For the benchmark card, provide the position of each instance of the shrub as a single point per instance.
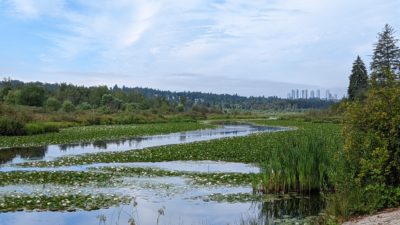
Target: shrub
(52, 104)
(68, 106)
(84, 106)
(10, 127)
(40, 128)
(32, 95)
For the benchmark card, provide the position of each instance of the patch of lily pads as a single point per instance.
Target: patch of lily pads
(61, 202)
(106, 176)
(74, 178)
(197, 178)
(249, 197)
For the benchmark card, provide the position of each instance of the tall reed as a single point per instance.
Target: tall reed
(301, 161)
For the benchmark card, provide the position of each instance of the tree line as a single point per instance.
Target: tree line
(68, 97)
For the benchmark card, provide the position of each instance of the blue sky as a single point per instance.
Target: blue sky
(223, 46)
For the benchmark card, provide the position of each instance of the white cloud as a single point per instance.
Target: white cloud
(298, 41)
(32, 9)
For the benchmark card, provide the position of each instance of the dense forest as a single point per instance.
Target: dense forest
(55, 96)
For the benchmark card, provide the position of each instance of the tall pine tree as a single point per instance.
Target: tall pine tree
(386, 56)
(358, 80)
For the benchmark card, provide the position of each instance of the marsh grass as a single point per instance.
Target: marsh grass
(100, 132)
(256, 148)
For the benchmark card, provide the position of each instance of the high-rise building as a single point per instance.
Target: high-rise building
(328, 95)
(312, 95)
(297, 93)
(293, 94)
(306, 93)
(318, 93)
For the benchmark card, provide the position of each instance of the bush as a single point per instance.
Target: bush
(32, 95)
(13, 97)
(40, 128)
(11, 127)
(371, 152)
(84, 106)
(52, 104)
(68, 106)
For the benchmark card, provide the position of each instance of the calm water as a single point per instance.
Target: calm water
(182, 202)
(175, 212)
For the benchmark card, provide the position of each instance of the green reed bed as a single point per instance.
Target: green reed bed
(303, 161)
(97, 133)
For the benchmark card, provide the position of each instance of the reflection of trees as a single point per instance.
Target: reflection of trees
(100, 144)
(65, 147)
(8, 154)
(295, 207)
(182, 138)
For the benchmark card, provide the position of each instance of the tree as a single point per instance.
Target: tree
(68, 106)
(112, 103)
(358, 80)
(372, 143)
(6, 87)
(52, 104)
(32, 95)
(386, 55)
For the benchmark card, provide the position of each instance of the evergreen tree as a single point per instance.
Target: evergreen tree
(386, 55)
(358, 80)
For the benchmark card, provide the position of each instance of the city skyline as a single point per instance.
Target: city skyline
(312, 94)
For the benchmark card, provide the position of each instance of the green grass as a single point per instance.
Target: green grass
(101, 132)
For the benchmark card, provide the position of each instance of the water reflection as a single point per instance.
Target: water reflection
(22, 154)
(50, 152)
(180, 211)
(296, 207)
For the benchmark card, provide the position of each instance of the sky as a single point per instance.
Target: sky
(245, 47)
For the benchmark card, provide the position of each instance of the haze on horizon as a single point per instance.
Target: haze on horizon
(222, 46)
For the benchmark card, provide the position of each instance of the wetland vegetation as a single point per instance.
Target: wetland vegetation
(98, 133)
(311, 167)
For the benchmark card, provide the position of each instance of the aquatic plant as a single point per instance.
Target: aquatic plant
(75, 178)
(100, 132)
(61, 202)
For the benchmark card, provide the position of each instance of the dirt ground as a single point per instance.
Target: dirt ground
(387, 217)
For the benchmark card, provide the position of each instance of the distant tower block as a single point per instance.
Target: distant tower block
(312, 95)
